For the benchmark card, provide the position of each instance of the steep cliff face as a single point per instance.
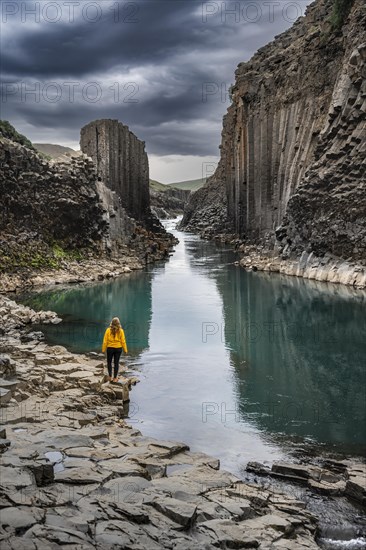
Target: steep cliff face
(121, 163)
(293, 140)
(54, 210)
(206, 209)
(328, 211)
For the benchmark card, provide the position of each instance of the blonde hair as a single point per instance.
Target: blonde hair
(115, 326)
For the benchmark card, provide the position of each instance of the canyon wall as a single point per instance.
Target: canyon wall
(168, 203)
(293, 142)
(60, 215)
(51, 211)
(121, 163)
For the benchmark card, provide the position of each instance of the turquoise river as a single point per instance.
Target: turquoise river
(243, 366)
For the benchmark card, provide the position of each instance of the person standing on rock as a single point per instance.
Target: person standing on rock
(113, 343)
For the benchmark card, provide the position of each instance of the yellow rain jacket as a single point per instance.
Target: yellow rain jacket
(118, 341)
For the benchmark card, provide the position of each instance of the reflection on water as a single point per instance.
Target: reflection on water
(87, 310)
(240, 365)
(299, 351)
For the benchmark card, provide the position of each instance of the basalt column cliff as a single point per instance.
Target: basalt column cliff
(121, 163)
(60, 220)
(292, 167)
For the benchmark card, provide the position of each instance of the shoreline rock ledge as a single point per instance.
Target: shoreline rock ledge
(75, 474)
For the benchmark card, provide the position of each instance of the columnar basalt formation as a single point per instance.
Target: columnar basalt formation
(293, 142)
(121, 163)
(61, 215)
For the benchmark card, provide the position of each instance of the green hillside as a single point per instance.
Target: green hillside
(157, 186)
(190, 185)
(8, 131)
(52, 150)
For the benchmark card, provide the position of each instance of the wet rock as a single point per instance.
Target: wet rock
(356, 484)
(292, 470)
(257, 468)
(325, 488)
(31, 336)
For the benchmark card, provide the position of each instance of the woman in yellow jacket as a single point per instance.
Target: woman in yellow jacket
(114, 341)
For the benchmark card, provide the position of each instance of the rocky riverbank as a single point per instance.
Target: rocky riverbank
(309, 266)
(75, 473)
(147, 250)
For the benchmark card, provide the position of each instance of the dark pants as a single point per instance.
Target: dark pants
(113, 354)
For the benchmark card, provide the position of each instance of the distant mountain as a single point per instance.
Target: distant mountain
(55, 151)
(189, 185)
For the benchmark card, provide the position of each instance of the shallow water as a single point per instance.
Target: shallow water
(244, 366)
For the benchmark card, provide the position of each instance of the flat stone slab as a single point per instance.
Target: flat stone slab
(82, 475)
(128, 489)
(122, 534)
(89, 452)
(16, 477)
(238, 507)
(64, 368)
(45, 359)
(64, 442)
(96, 432)
(227, 534)
(167, 448)
(76, 376)
(324, 488)
(22, 517)
(181, 512)
(123, 468)
(82, 418)
(291, 469)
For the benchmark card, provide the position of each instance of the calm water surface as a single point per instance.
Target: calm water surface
(243, 366)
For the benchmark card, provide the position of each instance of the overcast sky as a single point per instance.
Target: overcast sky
(161, 67)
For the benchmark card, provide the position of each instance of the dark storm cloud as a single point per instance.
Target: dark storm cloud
(162, 67)
(79, 48)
